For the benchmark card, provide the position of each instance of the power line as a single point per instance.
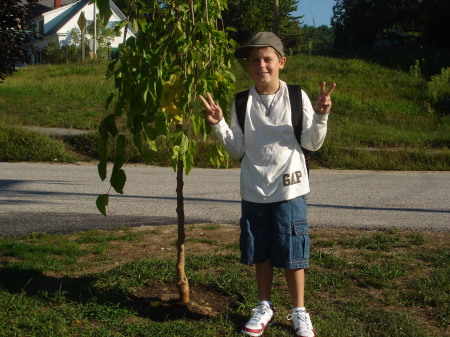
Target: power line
(312, 15)
(304, 15)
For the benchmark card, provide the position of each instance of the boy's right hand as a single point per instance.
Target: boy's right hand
(213, 112)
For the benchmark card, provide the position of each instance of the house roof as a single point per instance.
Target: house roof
(66, 16)
(44, 6)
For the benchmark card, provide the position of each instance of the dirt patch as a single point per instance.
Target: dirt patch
(160, 302)
(159, 243)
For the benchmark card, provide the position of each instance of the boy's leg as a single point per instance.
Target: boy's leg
(264, 279)
(295, 279)
(263, 314)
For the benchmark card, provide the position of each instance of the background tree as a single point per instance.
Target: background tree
(104, 34)
(15, 29)
(436, 28)
(358, 23)
(320, 37)
(179, 52)
(58, 54)
(251, 16)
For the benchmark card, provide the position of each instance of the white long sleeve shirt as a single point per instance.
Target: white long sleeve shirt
(273, 166)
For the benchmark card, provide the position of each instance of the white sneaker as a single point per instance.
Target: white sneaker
(302, 324)
(262, 317)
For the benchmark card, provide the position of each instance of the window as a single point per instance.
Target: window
(111, 24)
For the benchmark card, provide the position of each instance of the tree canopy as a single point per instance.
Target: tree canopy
(248, 17)
(251, 16)
(358, 23)
(16, 18)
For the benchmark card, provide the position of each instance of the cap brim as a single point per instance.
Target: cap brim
(242, 52)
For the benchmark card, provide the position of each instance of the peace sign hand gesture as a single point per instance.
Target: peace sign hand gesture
(213, 112)
(324, 103)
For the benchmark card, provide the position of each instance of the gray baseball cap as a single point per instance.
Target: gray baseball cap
(260, 40)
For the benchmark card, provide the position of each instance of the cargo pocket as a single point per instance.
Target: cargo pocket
(300, 238)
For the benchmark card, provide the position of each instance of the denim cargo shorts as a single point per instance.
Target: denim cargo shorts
(275, 231)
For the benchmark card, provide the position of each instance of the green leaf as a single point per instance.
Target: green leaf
(109, 100)
(189, 157)
(103, 130)
(104, 10)
(110, 124)
(148, 156)
(161, 124)
(120, 25)
(101, 167)
(118, 162)
(150, 132)
(184, 143)
(121, 142)
(102, 202)
(118, 179)
(137, 140)
(102, 153)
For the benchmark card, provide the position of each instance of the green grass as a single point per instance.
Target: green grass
(70, 96)
(382, 118)
(359, 283)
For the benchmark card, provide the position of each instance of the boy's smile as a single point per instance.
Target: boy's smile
(264, 66)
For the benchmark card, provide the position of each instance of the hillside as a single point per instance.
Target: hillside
(382, 119)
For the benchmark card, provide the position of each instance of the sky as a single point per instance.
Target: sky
(318, 12)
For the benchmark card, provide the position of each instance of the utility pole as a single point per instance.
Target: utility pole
(94, 51)
(275, 17)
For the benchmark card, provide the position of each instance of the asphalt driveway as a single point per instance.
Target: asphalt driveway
(59, 198)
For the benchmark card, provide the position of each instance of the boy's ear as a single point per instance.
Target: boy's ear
(282, 62)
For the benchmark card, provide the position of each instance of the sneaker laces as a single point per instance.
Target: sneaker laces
(302, 320)
(258, 313)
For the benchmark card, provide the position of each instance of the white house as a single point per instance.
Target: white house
(55, 19)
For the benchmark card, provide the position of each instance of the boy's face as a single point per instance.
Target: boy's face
(264, 67)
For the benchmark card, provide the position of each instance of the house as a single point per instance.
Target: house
(56, 19)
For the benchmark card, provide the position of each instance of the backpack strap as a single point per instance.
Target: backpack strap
(295, 97)
(240, 102)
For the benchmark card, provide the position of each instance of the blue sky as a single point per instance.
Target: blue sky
(315, 11)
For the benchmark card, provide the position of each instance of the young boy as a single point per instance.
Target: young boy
(274, 229)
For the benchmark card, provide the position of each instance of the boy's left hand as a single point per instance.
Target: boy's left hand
(324, 103)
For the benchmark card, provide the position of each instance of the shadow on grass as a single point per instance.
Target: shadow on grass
(156, 301)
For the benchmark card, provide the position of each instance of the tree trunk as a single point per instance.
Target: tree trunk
(182, 281)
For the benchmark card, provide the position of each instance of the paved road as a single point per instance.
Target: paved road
(61, 198)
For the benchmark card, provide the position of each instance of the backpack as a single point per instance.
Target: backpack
(295, 97)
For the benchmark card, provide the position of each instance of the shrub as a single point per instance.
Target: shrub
(438, 89)
(17, 144)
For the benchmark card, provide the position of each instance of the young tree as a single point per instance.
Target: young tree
(15, 28)
(180, 51)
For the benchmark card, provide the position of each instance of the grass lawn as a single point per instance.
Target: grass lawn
(121, 283)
